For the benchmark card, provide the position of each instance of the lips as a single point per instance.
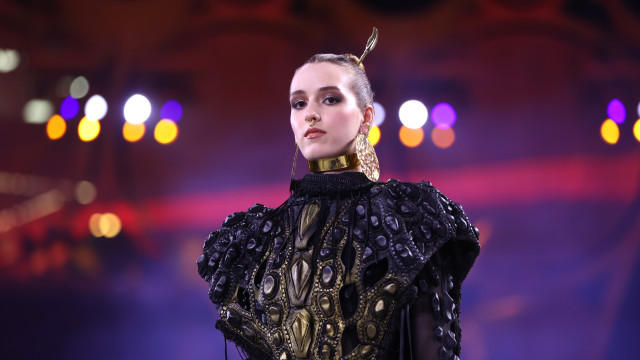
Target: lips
(313, 133)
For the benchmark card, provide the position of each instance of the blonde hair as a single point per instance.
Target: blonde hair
(360, 84)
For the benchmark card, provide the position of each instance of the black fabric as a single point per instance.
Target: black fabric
(409, 231)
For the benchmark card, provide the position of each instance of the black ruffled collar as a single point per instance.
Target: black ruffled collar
(318, 184)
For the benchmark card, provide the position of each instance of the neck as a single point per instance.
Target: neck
(334, 164)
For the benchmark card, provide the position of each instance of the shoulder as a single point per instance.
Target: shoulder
(432, 221)
(233, 249)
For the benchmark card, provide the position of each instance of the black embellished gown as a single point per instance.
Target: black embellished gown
(346, 268)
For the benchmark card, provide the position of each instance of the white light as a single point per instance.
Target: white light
(639, 109)
(137, 109)
(96, 108)
(37, 111)
(79, 87)
(413, 114)
(9, 60)
(379, 114)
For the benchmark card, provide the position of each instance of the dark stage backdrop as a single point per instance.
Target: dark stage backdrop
(98, 239)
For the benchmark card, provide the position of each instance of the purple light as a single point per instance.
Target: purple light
(616, 111)
(443, 116)
(171, 110)
(69, 108)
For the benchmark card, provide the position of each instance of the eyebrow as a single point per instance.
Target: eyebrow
(322, 89)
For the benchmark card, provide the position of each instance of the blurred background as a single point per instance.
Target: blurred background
(129, 129)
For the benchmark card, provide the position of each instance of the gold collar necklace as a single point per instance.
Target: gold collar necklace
(333, 164)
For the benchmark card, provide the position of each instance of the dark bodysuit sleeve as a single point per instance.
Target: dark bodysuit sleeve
(435, 316)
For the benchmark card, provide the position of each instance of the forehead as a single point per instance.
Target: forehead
(317, 75)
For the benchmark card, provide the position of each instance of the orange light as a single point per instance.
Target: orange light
(610, 132)
(133, 132)
(107, 225)
(636, 130)
(88, 129)
(56, 127)
(443, 138)
(411, 137)
(166, 131)
(374, 135)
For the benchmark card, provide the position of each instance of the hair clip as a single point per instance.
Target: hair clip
(371, 43)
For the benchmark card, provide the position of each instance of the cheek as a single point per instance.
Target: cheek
(294, 126)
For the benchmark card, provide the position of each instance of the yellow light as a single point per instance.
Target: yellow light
(610, 132)
(94, 225)
(133, 132)
(107, 225)
(56, 127)
(110, 225)
(88, 129)
(443, 138)
(166, 131)
(374, 135)
(636, 130)
(411, 137)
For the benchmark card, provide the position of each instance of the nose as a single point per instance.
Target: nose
(311, 116)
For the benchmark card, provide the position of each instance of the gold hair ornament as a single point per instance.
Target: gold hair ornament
(371, 43)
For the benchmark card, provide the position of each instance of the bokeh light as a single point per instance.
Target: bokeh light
(378, 114)
(79, 87)
(374, 135)
(171, 110)
(95, 108)
(110, 225)
(137, 109)
(56, 127)
(37, 111)
(636, 130)
(133, 132)
(413, 114)
(616, 111)
(610, 132)
(94, 225)
(107, 225)
(69, 108)
(411, 137)
(85, 192)
(443, 138)
(9, 60)
(88, 129)
(166, 131)
(639, 109)
(443, 116)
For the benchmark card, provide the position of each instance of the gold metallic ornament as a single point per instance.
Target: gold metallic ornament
(310, 121)
(300, 327)
(333, 164)
(295, 160)
(371, 43)
(367, 157)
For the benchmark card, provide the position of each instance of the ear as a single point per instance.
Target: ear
(367, 122)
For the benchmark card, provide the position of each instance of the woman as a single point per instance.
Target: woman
(348, 267)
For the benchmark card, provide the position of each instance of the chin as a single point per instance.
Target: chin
(320, 152)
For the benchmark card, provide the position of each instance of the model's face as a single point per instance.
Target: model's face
(321, 91)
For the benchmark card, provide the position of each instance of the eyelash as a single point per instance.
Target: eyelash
(329, 100)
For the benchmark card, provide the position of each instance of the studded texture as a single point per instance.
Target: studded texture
(325, 275)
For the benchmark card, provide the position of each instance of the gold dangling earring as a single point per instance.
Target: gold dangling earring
(295, 159)
(367, 157)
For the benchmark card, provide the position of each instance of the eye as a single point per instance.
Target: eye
(298, 104)
(332, 100)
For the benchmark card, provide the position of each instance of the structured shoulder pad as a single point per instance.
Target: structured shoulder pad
(231, 250)
(419, 220)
